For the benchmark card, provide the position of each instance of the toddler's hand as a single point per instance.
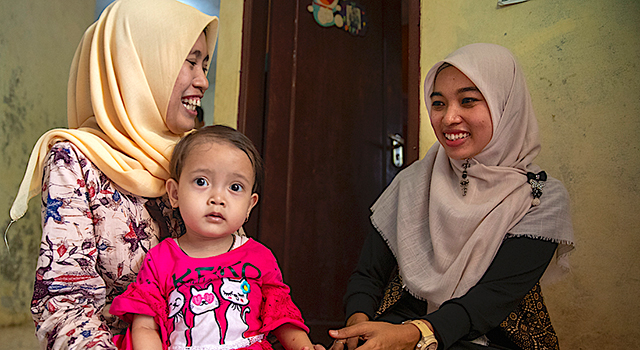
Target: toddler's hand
(315, 347)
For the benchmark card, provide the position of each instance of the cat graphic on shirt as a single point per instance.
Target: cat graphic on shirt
(206, 328)
(237, 293)
(175, 304)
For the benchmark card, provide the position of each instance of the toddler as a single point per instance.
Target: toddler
(211, 288)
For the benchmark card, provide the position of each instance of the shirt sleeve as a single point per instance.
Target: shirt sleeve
(517, 267)
(144, 296)
(69, 294)
(277, 306)
(366, 285)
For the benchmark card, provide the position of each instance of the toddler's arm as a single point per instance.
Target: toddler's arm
(294, 338)
(144, 333)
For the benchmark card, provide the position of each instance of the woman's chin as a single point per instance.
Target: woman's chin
(184, 124)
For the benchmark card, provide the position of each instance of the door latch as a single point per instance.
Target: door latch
(397, 150)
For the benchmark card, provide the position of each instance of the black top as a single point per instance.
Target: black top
(516, 268)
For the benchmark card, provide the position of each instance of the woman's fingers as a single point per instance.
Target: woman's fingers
(356, 318)
(352, 342)
(347, 337)
(338, 344)
(348, 332)
(377, 335)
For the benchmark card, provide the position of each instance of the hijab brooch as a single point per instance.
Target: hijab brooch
(537, 184)
(465, 180)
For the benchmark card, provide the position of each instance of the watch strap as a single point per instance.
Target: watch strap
(428, 340)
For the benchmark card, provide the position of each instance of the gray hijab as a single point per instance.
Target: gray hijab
(443, 241)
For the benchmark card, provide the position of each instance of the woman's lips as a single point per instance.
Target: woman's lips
(191, 103)
(456, 138)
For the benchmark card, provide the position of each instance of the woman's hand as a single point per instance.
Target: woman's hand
(376, 336)
(351, 343)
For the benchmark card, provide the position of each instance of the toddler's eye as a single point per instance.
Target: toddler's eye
(201, 182)
(236, 187)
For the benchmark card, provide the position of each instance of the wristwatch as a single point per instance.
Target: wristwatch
(428, 340)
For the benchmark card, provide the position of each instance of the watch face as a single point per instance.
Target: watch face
(423, 345)
(427, 344)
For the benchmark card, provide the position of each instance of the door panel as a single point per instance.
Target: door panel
(329, 102)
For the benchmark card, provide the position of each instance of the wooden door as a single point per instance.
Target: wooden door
(320, 104)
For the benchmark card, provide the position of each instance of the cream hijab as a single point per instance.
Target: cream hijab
(443, 241)
(121, 79)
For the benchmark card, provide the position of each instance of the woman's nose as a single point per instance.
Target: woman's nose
(452, 116)
(200, 81)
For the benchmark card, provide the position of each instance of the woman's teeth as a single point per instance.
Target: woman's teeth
(453, 137)
(191, 103)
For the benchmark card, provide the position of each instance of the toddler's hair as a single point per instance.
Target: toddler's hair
(217, 133)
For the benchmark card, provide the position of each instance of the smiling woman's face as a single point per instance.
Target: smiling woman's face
(189, 88)
(459, 116)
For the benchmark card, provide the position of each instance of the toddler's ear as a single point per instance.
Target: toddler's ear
(172, 192)
(252, 203)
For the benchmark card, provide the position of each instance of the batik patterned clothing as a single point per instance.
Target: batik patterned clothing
(95, 236)
(225, 302)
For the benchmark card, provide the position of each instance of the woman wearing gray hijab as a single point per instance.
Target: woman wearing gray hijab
(463, 236)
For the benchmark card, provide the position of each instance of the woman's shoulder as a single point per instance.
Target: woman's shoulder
(63, 150)
(551, 215)
(64, 155)
(66, 166)
(555, 192)
(65, 158)
(555, 198)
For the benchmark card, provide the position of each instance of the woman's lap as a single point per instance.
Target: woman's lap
(467, 345)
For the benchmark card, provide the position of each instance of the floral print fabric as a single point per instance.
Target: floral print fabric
(95, 236)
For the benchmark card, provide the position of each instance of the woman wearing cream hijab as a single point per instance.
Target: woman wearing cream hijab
(136, 79)
(467, 232)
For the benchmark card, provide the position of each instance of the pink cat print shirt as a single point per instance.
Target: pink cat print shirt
(230, 301)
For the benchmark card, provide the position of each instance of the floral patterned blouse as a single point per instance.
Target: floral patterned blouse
(95, 236)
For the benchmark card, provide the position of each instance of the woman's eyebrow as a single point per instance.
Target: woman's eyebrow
(466, 89)
(461, 90)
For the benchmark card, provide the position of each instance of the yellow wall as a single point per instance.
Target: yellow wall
(37, 42)
(228, 67)
(582, 62)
